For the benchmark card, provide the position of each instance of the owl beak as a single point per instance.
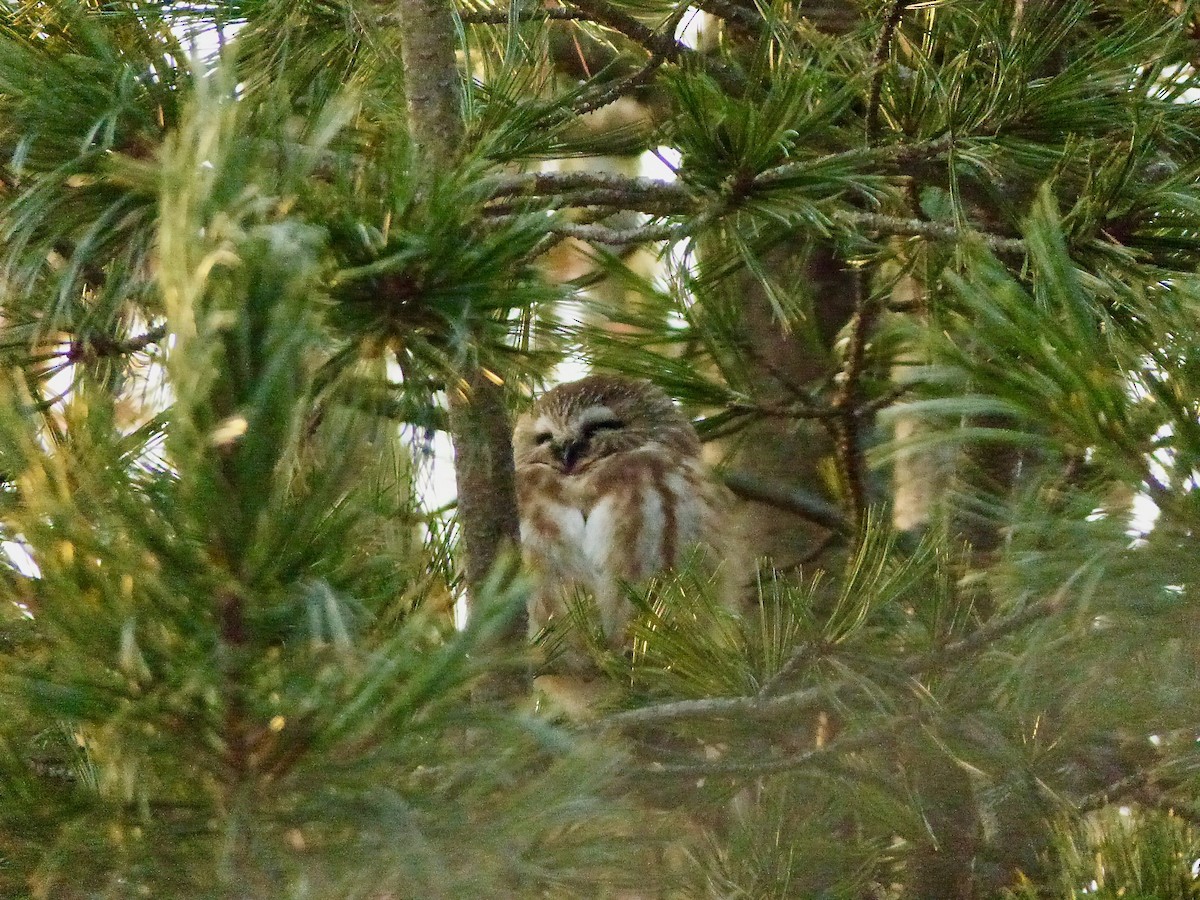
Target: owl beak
(567, 453)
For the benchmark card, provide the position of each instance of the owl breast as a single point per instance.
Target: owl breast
(623, 519)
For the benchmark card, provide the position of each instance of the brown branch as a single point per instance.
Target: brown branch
(882, 50)
(933, 231)
(98, 346)
(533, 183)
(792, 499)
(638, 189)
(479, 423)
(864, 740)
(1119, 790)
(739, 15)
(658, 43)
(605, 94)
(658, 197)
(619, 237)
(756, 707)
(1182, 808)
(847, 427)
(236, 725)
(431, 80)
(503, 17)
(553, 190)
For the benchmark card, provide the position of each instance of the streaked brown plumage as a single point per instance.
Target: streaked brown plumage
(612, 490)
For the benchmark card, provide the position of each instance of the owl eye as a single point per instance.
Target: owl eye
(603, 425)
(542, 438)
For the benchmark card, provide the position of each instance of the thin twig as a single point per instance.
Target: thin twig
(611, 93)
(657, 43)
(895, 154)
(1118, 790)
(869, 738)
(846, 427)
(793, 499)
(503, 17)
(747, 18)
(619, 237)
(801, 653)
(934, 231)
(97, 346)
(882, 50)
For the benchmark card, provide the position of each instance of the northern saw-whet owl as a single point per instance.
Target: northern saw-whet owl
(611, 490)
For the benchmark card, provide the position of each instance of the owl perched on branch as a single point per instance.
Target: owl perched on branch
(611, 490)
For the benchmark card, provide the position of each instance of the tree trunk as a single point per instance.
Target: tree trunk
(479, 424)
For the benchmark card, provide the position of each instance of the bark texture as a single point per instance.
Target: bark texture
(479, 422)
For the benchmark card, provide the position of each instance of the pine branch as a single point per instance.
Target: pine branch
(867, 739)
(895, 155)
(98, 346)
(758, 707)
(880, 224)
(1139, 787)
(658, 43)
(559, 190)
(539, 183)
(556, 190)
(1126, 787)
(932, 231)
(613, 92)
(882, 51)
(620, 237)
(846, 427)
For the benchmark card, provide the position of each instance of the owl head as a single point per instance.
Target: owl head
(575, 425)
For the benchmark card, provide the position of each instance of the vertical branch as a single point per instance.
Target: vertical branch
(882, 49)
(479, 424)
(848, 426)
(431, 86)
(483, 467)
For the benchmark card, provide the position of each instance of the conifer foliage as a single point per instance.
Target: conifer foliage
(947, 249)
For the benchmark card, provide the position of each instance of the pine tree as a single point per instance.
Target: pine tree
(256, 256)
